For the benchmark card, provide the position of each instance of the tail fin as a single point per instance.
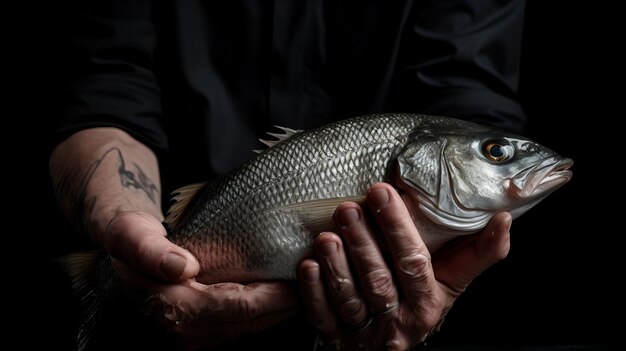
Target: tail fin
(86, 271)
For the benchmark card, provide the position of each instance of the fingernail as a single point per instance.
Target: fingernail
(348, 216)
(173, 265)
(312, 274)
(378, 197)
(329, 249)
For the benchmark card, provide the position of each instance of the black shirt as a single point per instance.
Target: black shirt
(200, 81)
(204, 79)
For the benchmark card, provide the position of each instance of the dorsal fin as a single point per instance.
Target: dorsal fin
(288, 133)
(183, 198)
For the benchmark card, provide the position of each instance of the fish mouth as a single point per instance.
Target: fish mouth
(542, 178)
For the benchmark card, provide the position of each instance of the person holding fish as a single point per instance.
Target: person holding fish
(363, 214)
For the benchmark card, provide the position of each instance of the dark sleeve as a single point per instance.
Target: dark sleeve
(112, 80)
(467, 59)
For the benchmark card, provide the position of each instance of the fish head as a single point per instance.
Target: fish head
(462, 175)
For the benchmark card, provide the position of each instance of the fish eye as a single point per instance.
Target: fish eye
(498, 151)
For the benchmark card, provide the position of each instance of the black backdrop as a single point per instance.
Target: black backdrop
(558, 285)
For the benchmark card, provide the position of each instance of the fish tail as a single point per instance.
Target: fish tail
(87, 271)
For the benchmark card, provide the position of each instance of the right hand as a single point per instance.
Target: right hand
(359, 300)
(107, 184)
(197, 315)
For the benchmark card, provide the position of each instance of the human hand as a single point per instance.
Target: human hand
(196, 315)
(393, 305)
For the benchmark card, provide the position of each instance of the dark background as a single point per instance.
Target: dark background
(558, 285)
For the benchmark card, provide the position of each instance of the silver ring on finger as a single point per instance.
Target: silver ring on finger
(389, 308)
(362, 326)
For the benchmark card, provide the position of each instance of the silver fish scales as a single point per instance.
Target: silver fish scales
(259, 220)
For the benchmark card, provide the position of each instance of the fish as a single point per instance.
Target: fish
(258, 221)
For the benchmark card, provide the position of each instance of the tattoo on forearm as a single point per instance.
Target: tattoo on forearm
(74, 194)
(139, 181)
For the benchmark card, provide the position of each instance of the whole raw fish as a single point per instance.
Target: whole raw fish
(259, 220)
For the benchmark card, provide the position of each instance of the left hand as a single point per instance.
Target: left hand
(389, 307)
(195, 315)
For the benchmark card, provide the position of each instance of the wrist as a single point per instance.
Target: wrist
(99, 173)
(98, 219)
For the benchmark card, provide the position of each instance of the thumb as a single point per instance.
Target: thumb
(491, 245)
(138, 239)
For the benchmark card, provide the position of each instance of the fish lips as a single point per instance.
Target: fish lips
(542, 178)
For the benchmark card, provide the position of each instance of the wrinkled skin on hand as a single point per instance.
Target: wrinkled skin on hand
(425, 287)
(196, 315)
(407, 297)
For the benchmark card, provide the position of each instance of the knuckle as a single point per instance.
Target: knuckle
(416, 266)
(379, 282)
(342, 288)
(142, 250)
(412, 250)
(352, 311)
(358, 241)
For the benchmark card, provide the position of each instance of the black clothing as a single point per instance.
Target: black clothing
(200, 81)
(205, 79)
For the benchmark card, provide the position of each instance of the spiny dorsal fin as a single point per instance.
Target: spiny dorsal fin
(288, 133)
(183, 198)
(317, 215)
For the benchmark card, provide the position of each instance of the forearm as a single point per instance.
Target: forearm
(100, 172)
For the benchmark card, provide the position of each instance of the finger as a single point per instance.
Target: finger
(317, 305)
(491, 245)
(395, 221)
(138, 239)
(201, 335)
(207, 315)
(227, 302)
(375, 279)
(338, 280)
(410, 255)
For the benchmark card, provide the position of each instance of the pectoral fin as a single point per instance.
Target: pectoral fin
(317, 215)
